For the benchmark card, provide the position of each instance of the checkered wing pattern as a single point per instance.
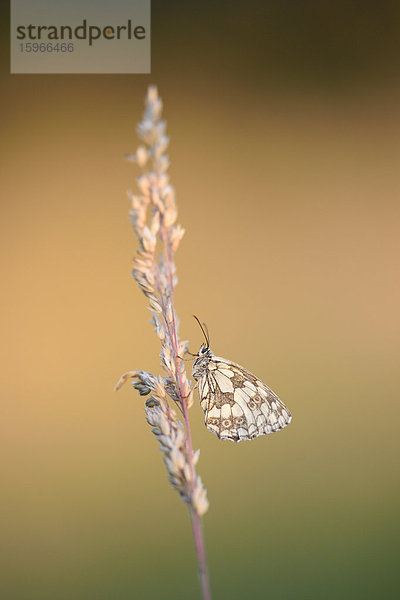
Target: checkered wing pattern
(237, 405)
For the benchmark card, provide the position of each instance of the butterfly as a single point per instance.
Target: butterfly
(237, 405)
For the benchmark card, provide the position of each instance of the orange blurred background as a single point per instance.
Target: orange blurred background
(284, 124)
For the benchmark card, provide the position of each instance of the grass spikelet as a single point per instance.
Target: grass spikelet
(153, 217)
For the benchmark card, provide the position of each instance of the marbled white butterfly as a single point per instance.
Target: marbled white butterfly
(237, 405)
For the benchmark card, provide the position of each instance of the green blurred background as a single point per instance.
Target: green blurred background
(284, 119)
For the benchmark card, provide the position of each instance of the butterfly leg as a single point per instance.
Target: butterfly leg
(189, 397)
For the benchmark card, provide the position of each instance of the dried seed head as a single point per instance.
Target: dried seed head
(199, 500)
(153, 216)
(142, 156)
(152, 402)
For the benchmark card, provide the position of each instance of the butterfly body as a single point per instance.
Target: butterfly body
(237, 405)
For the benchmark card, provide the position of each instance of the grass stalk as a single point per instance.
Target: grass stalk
(153, 216)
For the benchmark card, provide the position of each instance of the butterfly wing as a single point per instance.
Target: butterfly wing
(237, 405)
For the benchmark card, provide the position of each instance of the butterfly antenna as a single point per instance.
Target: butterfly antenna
(208, 335)
(204, 331)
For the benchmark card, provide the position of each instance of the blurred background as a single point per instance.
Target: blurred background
(284, 121)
